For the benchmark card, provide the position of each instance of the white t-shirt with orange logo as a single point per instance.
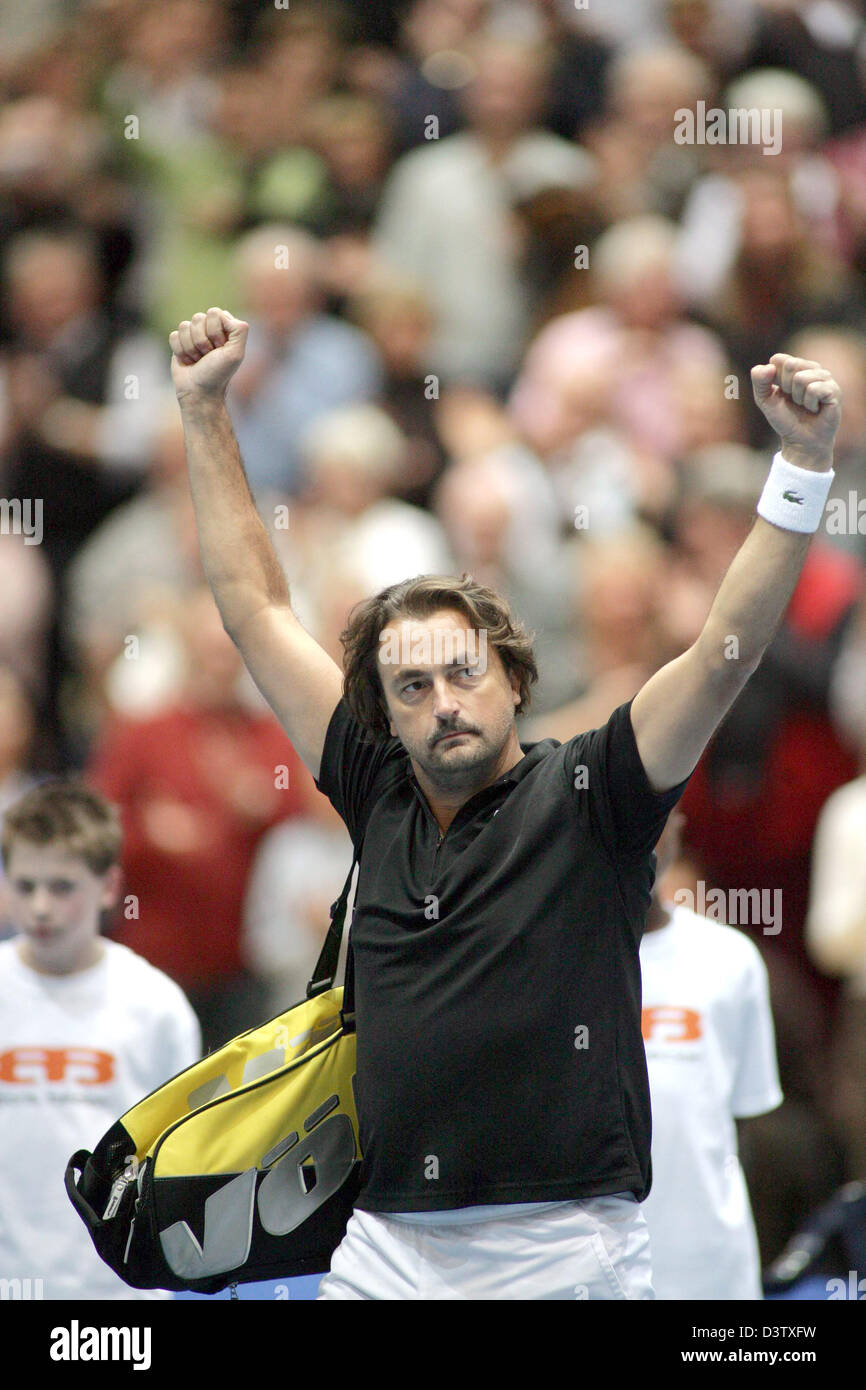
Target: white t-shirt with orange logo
(76, 1051)
(711, 1057)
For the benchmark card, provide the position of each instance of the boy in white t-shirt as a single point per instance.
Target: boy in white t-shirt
(87, 1028)
(711, 1057)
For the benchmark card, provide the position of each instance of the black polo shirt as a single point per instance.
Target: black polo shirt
(497, 976)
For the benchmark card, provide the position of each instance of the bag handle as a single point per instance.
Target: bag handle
(75, 1165)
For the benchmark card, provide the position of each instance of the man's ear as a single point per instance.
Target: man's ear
(515, 687)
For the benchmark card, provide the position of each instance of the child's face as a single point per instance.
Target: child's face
(55, 902)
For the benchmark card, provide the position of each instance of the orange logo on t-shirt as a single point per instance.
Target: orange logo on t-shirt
(670, 1023)
(85, 1066)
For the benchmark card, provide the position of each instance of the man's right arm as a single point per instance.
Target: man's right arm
(296, 676)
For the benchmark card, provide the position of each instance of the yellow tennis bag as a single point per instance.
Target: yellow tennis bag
(244, 1166)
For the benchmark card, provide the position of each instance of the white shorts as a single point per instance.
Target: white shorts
(596, 1248)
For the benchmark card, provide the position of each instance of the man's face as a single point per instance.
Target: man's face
(450, 699)
(55, 902)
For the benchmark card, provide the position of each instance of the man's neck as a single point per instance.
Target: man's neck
(445, 803)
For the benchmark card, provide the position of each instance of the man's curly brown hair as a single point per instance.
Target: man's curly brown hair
(419, 598)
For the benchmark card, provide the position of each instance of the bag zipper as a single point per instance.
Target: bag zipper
(118, 1188)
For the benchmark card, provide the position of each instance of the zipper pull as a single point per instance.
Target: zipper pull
(118, 1187)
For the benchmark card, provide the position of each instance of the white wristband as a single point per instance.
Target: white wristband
(794, 498)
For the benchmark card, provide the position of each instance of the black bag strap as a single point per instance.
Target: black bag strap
(326, 966)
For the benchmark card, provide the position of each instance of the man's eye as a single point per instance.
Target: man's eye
(62, 886)
(23, 886)
(472, 671)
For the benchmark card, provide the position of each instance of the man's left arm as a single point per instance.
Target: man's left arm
(676, 712)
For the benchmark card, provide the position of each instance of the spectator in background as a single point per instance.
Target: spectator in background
(836, 938)
(712, 219)
(298, 872)
(17, 731)
(822, 44)
(580, 63)
(500, 514)
(58, 172)
(619, 595)
(143, 557)
(711, 1058)
(270, 179)
(446, 212)
(82, 396)
(198, 785)
(26, 607)
(86, 1028)
(165, 78)
(352, 136)
(422, 76)
(347, 514)
(396, 314)
(791, 1156)
(641, 169)
(602, 392)
(753, 800)
(717, 31)
(17, 736)
(301, 362)
(302, 50)
(82, 391)
(781, 280)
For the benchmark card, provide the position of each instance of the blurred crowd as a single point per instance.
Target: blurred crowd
(502, 321)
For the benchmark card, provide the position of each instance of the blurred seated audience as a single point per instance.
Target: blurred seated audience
(836, 939)
(396, 313)
(780, 281)
(641, 168)
(198, 784)
(501, 516)
(298, 872)
(18, 740)
(753, 800)
(603, 392)
(446, 214)
(300, 362)
(354, 459)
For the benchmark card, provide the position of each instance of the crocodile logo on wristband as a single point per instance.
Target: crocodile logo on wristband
(789, 496)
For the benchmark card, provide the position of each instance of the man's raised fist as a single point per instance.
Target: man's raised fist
(206, 352)
(802, 402)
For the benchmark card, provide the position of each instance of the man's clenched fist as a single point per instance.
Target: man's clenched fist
(206, 352)
(802, 402)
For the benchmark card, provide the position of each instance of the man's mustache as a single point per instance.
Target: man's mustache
(445, 732)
